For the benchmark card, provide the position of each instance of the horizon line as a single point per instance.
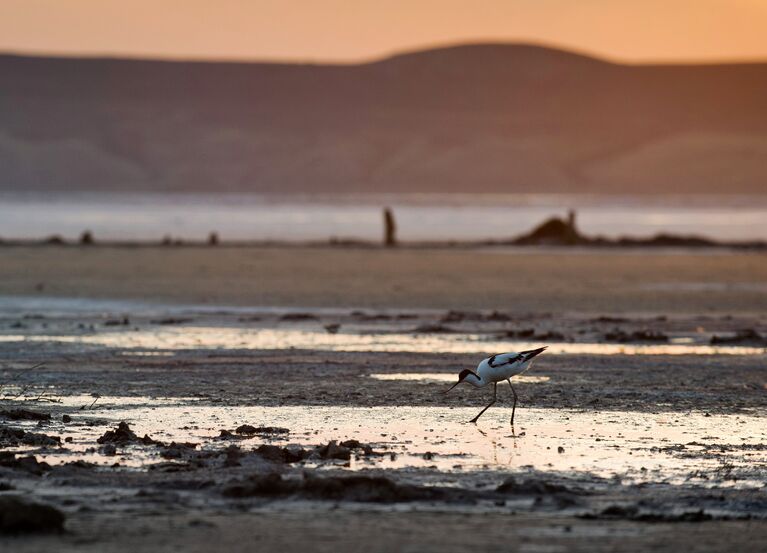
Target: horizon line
(107, 55)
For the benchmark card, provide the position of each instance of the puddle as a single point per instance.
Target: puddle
(634, 447)
(214, 337)
(438, 377)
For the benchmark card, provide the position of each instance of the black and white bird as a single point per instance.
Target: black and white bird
(496, 369)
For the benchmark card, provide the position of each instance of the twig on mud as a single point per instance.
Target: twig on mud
(22, 392)
(96, 396)
(14, 377)
(48, 399)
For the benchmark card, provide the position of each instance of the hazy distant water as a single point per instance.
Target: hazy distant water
(244, 217)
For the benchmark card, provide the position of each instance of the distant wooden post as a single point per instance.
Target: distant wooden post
(572, 232)
(390, 228)
(571, 218)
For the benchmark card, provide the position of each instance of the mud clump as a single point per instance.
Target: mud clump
(261, 430)
(745, 337)
(497, 316)
(362, 316)
(333, 451)
(18, 516)
(632, 512)
(649, 336)
(170, 321)
(531, 334)
(433, 329)
(361, 489)
(460, 316)
(24, 414)
(125, 321)
(687, 516)
(531, 487)
(298, 317)
(28, 464)
(608, 319)
(278, 454)
(12, 437)
(176, 450)
(356, 444)
(72, 468)
(123, 435)
(332, 328)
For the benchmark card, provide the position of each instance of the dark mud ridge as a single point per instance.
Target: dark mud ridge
(744, 337)
(379, 489)
(13, 437)
(633, 512)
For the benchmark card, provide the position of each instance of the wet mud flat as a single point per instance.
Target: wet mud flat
(155, 446)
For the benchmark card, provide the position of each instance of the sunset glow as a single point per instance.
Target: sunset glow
(335, 30)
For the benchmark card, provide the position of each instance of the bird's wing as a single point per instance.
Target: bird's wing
(500, 359)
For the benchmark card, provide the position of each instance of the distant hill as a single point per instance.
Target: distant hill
(476, 118)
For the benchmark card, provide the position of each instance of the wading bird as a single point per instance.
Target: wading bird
(496, 369)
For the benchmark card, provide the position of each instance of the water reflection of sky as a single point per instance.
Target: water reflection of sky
(637, 447)
(213, 337)
(435, 217)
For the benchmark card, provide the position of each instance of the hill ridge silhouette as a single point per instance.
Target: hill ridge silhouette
(489, 117)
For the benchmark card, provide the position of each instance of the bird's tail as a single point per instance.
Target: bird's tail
(529, 356)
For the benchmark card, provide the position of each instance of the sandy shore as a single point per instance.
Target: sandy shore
(585, 281)
(615, 447)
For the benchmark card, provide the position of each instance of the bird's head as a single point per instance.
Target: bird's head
(461, 377)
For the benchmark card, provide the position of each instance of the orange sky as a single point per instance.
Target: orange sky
(351, 30)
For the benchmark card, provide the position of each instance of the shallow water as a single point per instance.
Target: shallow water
(420, 217)
(226, 337)
(634, 447)
(440, 377)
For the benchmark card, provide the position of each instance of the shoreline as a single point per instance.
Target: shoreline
(534, 280)
(623, 244)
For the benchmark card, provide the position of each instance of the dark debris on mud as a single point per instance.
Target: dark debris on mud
(646, 336)
(363, 488)
(358, 488)
(24, 414)
(635, 513)
(123, 435)
(529, 486)
(28, 464)
(260, 430)
(14, 437)
(744, 337)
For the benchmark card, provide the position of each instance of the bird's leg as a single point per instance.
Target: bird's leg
(495, 395)
(514, 408)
